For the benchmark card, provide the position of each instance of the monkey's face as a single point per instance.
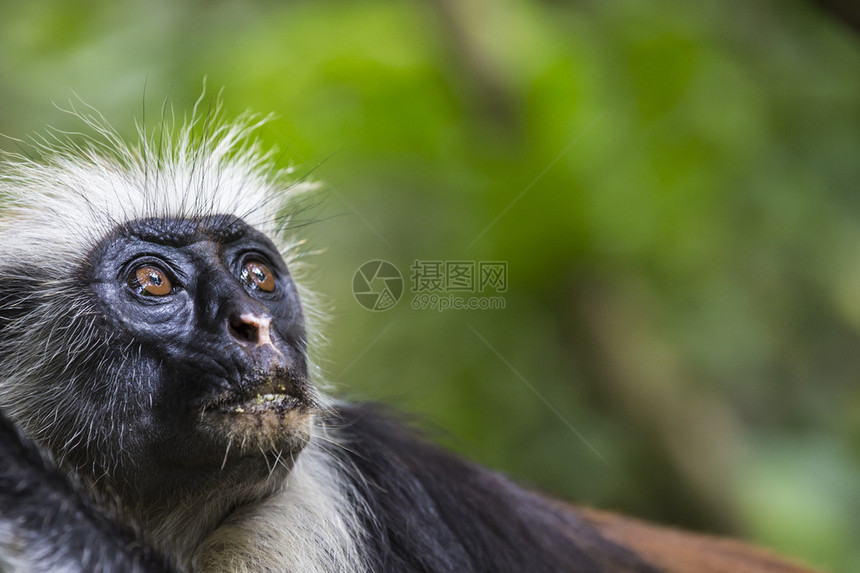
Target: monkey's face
(209, 379)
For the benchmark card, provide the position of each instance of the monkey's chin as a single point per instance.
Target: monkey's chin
(265, 423)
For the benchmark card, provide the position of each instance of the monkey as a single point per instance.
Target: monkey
(161, 409)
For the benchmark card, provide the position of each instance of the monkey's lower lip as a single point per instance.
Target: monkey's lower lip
(263, 403)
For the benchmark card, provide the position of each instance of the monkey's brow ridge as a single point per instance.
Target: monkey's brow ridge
(179, 231)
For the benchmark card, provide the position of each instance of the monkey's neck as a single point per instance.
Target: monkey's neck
(310, 525)
(304, 521)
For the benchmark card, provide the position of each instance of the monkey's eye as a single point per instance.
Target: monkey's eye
(258, 276)
(150, 280)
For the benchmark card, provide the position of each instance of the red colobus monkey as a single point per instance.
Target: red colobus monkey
(160, 412)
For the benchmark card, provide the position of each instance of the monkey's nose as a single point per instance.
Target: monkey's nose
(251, 330)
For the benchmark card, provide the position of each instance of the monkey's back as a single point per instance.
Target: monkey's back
(433, 511)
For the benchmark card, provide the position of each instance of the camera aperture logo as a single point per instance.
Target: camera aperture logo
(436, 285)
(377, 285)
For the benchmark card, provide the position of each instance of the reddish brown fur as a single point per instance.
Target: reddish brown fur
(682, 552)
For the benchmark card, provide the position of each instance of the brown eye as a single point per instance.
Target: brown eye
(152, 281)
(257, 275)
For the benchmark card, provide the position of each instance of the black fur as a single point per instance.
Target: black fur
(426, 510)
(52, 525)
(430, 510)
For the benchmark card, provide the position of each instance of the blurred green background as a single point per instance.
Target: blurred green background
(674, 186)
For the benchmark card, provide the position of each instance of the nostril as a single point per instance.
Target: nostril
(251, 329)
(243, 330)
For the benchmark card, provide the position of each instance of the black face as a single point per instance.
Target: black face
(211, 336)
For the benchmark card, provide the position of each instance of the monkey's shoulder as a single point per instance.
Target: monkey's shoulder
(47, 523)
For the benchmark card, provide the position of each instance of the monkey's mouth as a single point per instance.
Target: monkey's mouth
(265, 413)
(260, 403)
(278, 391)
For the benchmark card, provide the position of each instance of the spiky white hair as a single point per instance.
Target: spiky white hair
(56, 208)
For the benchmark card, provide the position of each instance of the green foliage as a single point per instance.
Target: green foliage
(672, 184)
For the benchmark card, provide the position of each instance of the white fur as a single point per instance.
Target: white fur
(309, 527)
(76, 193)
